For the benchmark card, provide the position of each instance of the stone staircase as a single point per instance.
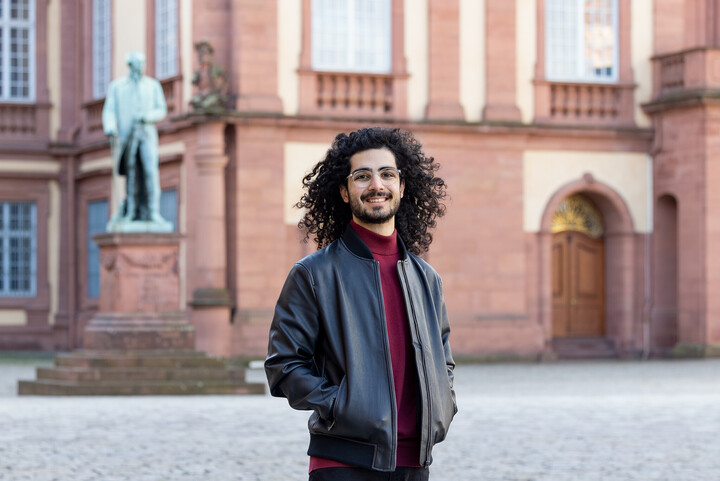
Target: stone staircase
(584, 348)
(161, 372)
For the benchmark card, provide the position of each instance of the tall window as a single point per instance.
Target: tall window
(17, 50)
(97, 217)
(169, 206)
(18, 254)
(352, 35)
(166, 38)
(581, 42)
(101, 53)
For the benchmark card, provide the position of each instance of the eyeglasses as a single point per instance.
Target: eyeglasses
(363, 177)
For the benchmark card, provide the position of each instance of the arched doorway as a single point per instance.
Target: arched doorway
(578, 265)
(622, 283)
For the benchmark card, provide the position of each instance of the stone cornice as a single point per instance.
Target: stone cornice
(682, 99)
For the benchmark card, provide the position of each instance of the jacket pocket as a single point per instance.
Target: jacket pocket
(319, 424)
(448, 409)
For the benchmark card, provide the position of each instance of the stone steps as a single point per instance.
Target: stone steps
(138, 359)
(108, 373)
(50, 387)
(80, 374)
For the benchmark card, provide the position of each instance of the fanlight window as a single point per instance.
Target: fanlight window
(578, 213)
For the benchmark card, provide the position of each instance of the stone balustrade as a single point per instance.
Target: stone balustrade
(584, 103)
(172, 89)
(691, 72)
(17, 119)
(349, 94)
(672, 73)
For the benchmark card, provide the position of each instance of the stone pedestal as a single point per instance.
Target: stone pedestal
(140, 342)
(140, 295)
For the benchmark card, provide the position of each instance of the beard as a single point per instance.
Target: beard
(375, 215)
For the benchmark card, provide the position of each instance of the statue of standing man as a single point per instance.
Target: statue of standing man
(132, 106)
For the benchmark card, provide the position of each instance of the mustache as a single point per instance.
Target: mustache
(376, 194)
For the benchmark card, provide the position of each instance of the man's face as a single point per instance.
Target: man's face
(136, 64)
(374, 206)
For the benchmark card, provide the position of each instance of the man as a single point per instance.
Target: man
(132, 106)
(360, 331)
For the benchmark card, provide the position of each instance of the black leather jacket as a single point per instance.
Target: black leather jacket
(329, 352)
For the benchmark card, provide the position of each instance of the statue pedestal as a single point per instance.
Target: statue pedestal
(141, 226)
(140, 341)
(140, 295)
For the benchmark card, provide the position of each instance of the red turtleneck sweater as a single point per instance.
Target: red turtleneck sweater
(385, 250)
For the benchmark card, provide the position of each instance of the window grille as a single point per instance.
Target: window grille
(101, 52)
(169, 206)
(18, 249)
(166, 38)
(17, 50)
(581, 43)
(97, 217)
(352, 35)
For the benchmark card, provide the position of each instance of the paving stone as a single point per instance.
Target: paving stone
(611, 420)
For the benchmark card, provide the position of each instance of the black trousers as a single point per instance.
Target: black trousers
(360, 474)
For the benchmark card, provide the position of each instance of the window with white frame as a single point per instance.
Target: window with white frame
(97, 217)
(17, 50)
(352, 35)
(581, 40)
(166, 38)
(18, 253)
(101, 53)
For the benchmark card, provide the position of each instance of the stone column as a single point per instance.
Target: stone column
(444, 61)
(500, 44)
(211, 300)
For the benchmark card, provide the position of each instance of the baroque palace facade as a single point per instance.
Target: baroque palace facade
(577, 139)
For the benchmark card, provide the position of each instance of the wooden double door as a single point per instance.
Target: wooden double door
(578, 285)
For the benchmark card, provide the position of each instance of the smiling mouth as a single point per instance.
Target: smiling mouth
(376, 198)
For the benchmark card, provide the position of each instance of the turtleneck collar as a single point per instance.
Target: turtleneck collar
(378, 244)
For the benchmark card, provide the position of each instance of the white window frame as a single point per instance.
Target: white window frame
(576, 66)
(6, 266)
(6, 25)
(101, 47)
(166, 38)
(341, 25)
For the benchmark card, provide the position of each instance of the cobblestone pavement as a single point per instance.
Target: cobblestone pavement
(657, 420)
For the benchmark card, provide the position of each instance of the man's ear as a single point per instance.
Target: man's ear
(402, 188)
(344, 194)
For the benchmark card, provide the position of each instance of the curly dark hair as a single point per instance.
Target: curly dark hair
(327, 214)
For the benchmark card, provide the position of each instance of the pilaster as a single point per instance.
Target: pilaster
(254, 56)
(211, 301)
(444, 60)
(500, 54)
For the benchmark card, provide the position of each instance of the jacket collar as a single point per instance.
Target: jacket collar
(359, 248)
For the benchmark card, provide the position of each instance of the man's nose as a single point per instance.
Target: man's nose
(375, 182)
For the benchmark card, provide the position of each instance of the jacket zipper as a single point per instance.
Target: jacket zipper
(426, 417)
(388, 370)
